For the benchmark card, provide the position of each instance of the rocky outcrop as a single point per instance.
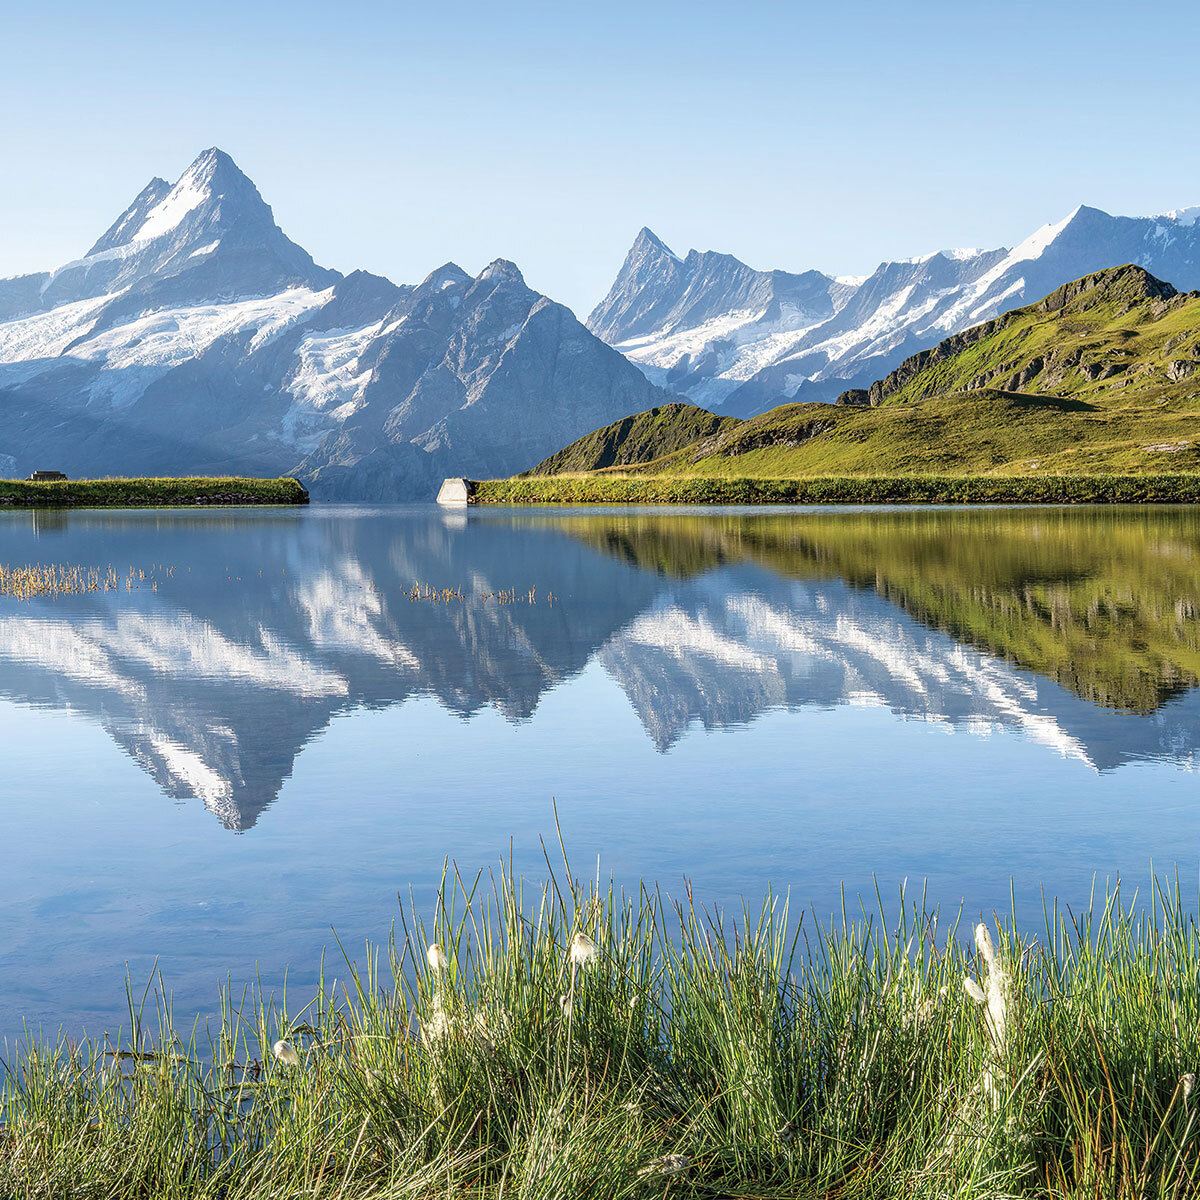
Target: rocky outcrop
(1129, 283)
(855, 398)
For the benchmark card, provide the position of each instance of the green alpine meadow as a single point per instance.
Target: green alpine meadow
(1091, 394)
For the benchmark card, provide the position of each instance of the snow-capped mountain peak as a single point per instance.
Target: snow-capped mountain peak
(213, 191)
(500, 270)
(1183, 216)
(124, 228)
(210, 236)
(196, 187)
(1035, 244)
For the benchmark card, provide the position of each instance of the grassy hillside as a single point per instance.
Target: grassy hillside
(637, 439)
(1102, 377)
(141, 493)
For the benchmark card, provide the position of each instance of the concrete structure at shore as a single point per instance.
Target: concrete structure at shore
(456, 491)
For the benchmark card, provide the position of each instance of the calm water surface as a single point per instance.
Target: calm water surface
(271, 736)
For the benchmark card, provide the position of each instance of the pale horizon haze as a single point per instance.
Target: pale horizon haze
(395, 137)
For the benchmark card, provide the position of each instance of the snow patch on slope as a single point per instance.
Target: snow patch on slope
(152, 345)
(47, 335)
(185, 197)
(327, 382)
(1183, 216)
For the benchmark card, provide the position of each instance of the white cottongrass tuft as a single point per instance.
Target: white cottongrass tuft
(436, 957)
(286, 1053)
(438, 1027)
(997, 990)
(918, 1009)
(583, 950)
(1188, 1083)
(566, 1004)
(994, 999)
(668, 1164)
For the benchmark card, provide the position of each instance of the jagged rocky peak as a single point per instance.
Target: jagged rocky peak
(447, 275)
(657, 293)
(1125, 284)
(499, 279)
(449, 281)
(440, 292)
(648, 243)
(648, 283)
(213, 191)
(500, 270)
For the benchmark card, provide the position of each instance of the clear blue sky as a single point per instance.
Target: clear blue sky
(397, 136)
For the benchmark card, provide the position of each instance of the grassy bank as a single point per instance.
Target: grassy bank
(582, 1044)
(144, 493)
(612, 488)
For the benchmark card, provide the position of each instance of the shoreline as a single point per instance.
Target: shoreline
(895, 489)
(151, 492)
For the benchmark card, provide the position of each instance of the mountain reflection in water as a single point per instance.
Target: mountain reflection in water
(1076, 627)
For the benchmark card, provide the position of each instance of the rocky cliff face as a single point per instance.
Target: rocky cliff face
(195, 337)
(762, 338)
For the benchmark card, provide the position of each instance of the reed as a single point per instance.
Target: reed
(426, 592)
(40, 580)
(568, 1040)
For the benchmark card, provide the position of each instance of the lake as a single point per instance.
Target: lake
(245, 729)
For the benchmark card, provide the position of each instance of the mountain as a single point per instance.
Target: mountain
(195, 337)
(696, 324)
(210, 238)
(1101, 375)
(728, 336)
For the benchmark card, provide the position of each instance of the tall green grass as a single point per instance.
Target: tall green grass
(612, 488)
(573, 1041)
(150, 492)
